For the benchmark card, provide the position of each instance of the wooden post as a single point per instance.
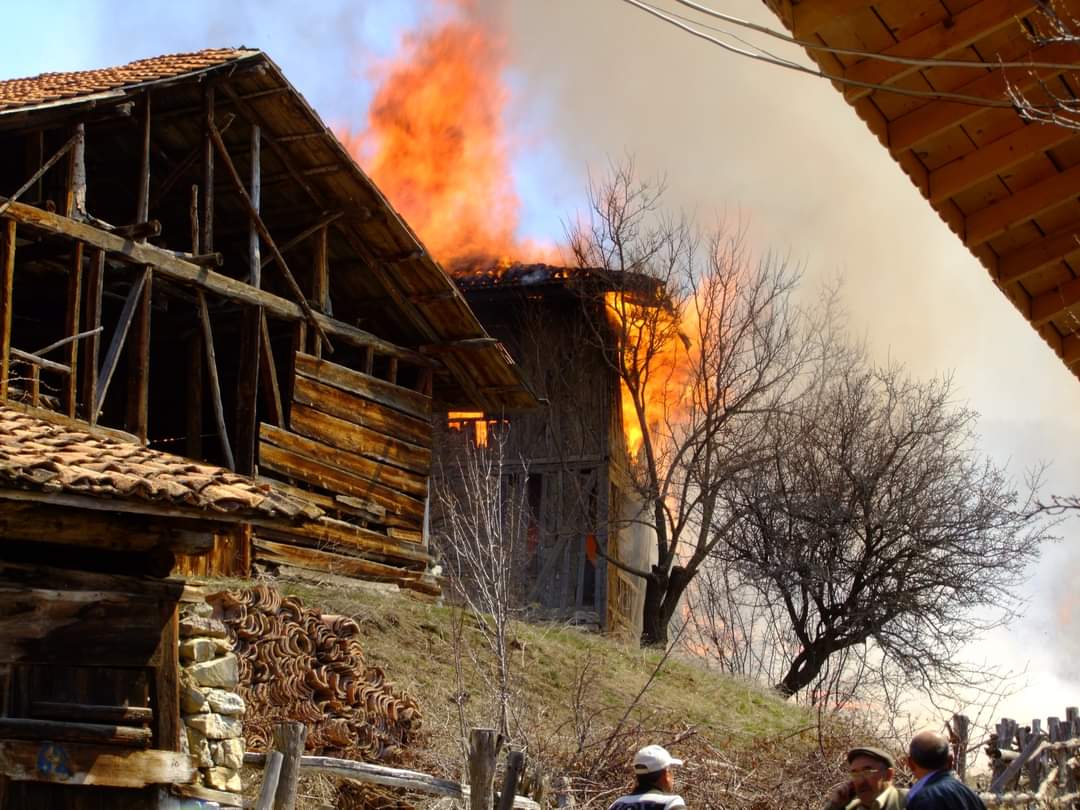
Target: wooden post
(71, 328)
(138, 394)
(268, 377)
(247, 390)
(215, 384)
(206, 237)
(484, 745)
(142, 196)
(166, 683)
(515, 763)
(289, 740)
(92, 345)
(7, 283)
(194, 391)
(112, 356)
(75, 194)
(321, 280)
(271, 775)
(960, 727)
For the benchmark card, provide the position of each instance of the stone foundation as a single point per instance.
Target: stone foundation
(212, 710)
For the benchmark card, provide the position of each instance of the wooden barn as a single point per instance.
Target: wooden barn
(573, 452)
(943, 84)
(221, 348)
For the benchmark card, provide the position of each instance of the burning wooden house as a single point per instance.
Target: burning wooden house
(574, 453)
(220, 347)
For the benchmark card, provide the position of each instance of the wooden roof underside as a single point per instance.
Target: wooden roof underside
(1008, 188)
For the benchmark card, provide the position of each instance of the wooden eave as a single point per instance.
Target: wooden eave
(382, 280)
(1009, 188)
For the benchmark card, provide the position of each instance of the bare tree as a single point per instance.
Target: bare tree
(480, 504)
(707, 346)
(881, 529)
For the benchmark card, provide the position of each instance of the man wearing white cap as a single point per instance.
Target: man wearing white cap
(655, 783)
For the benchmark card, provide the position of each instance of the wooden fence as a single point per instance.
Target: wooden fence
(281, 769)
(1031, 766)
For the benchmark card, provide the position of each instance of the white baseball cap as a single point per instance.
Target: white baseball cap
(653, 758)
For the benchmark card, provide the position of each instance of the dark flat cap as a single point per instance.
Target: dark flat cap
(873, 753)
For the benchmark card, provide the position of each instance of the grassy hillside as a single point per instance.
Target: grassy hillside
(582, 703)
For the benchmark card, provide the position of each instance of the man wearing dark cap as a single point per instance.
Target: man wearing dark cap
(870, 786)
(936, 786)
(655, 784)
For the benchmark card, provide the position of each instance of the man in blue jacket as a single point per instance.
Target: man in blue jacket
(937, 787)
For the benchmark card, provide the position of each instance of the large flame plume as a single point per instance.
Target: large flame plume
(437, 145)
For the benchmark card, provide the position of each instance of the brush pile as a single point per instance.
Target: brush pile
(299, 664)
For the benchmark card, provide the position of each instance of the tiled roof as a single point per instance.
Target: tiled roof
(39, 454)
(53, 86)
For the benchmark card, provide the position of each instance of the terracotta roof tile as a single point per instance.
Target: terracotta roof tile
(53, 86)
(38, 454)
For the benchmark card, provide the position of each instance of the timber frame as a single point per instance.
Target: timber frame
(1008, 187)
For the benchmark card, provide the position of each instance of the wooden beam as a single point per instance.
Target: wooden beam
(215, 384)
(24, 728)
(165, 686)
(313, 559)
(112, 356)
(75, 196)
(72, 763)
(321, 224)
(810, 17)
(36, 176)
(995, 158)
(253, 213)
(268, 376)
(409, 402)
(1038, 255)
(95, 280)
(1022, 206)
(92, 713)
(138, 393)
(206, 234)
(7, 286)
(71, 328)
(41, 522)
(335, 535)
(250, 349)
(373, 416)
(910, 130)
(167, 264)
(383, 475)
(142, 196)
(1050, 304)
(944, 37)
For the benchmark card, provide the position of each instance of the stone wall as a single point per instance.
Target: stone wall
(212, 709)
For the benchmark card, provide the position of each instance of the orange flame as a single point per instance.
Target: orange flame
(436, 145)
(657, 349)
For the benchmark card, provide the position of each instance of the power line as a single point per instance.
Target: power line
(819, 73)
(928, 62)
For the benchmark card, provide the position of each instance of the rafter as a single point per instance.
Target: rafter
(1038, 255)
(919, 125)
(995, 158)
(1022, 206)
(1050, 304)
(944, 37)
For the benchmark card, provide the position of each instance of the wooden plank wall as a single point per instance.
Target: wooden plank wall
(360, 449)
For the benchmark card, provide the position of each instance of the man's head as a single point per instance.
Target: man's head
(929, 752)
(871, 771)
(652, 767)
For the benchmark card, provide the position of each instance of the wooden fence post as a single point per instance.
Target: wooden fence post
(960, 726)
(484, 745)
(515, 763)
(289, 740)
(271, 774)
